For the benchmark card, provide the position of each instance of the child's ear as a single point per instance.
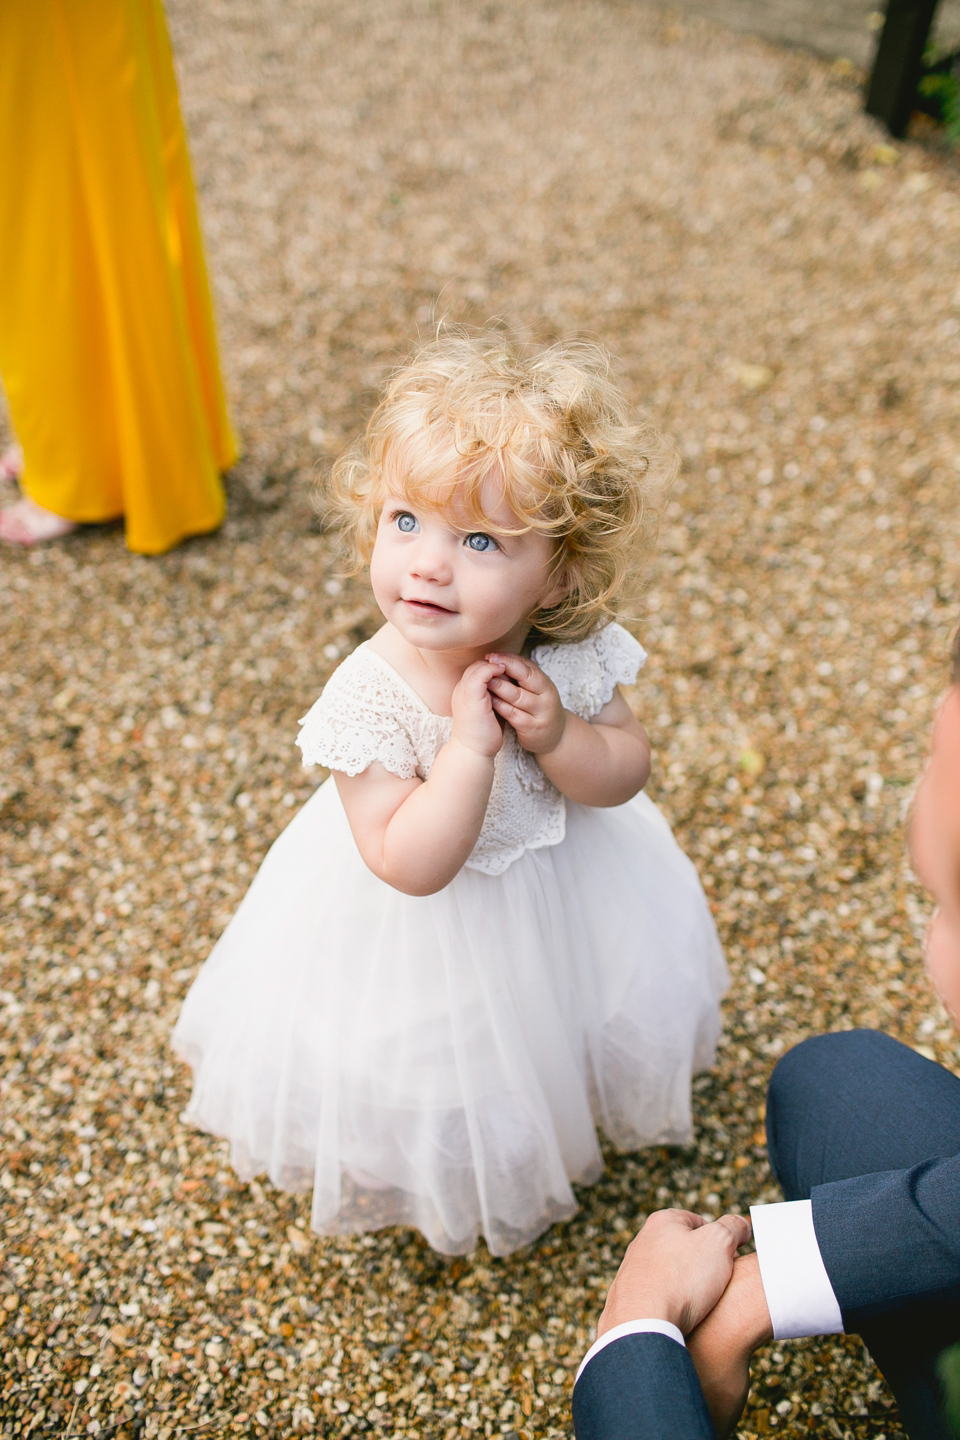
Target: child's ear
(561, 585)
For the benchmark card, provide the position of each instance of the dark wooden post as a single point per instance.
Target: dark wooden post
(896, 69)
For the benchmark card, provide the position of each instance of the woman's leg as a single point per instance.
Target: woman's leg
(106, 330)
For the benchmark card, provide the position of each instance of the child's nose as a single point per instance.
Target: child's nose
(430, 560)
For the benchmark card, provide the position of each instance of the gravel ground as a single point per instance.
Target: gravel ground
(835, 28)
(782, 287)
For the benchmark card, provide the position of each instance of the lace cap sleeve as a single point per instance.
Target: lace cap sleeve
(356, 721)
(588, 672)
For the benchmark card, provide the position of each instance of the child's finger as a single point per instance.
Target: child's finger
(481, 672)
(523, 671)
(506, 711)
(506, 689)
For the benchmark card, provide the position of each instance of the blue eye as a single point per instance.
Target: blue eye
(481, 543)
(406, 523)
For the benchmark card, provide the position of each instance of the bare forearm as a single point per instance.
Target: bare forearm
(598, 764)
(431, 835)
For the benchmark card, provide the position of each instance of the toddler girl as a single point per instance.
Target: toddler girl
(478, 939)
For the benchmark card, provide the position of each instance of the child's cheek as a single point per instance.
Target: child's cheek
(382, 581)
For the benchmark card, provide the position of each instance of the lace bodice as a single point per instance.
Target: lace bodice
(367, 712)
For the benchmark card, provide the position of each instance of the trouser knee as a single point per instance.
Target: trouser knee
(806, 1097)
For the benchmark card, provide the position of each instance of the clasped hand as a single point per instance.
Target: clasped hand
(507, 689)
(686, 1270)
(675, 1269)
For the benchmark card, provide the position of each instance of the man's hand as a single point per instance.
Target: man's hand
(722, 1344)
(676, 1269)
(528, 700)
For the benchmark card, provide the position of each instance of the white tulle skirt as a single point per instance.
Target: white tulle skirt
(442, 1061)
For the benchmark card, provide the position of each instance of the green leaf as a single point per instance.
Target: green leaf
(948, 1369)
(945, 89)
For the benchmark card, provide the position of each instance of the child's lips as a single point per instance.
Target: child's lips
(427, 607)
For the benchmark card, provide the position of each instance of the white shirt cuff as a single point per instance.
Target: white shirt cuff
(630, 1327)
(797, 1287)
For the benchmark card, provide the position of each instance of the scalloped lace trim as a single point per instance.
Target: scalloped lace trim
(361, 718)
(587, 673)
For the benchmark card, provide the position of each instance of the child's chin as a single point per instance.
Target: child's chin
(426, 638)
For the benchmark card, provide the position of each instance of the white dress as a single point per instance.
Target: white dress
(442, 1061)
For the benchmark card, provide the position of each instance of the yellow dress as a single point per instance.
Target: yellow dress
(107, 345)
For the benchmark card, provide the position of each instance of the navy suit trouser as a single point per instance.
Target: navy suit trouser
(859, 1103)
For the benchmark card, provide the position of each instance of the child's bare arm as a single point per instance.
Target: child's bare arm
(602, 761)
(417, 834)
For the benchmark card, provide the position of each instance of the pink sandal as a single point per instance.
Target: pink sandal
(27, 523)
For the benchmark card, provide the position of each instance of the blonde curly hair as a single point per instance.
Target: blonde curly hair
(555, 429)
